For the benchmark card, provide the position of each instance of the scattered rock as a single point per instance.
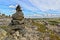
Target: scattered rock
(2, 34)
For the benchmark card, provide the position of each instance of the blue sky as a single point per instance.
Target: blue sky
(32, 8)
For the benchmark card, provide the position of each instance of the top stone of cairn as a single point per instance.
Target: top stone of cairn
(18, 8)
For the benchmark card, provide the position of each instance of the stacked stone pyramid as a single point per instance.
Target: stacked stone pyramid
(18, 17)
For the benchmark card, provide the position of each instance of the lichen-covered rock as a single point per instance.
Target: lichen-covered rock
(2, 33)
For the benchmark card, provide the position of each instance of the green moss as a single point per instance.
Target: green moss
(54, 37)
(41, 27)
(53, 22)
(4, 27)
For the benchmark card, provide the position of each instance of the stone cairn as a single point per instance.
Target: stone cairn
(17, 22)
(18, 17)
(18, 29)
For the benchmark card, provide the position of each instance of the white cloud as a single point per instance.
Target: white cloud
(13, 11)
(40, 4)
(47, 15)
(34, 16)
(43, 5)
(24, 5)
(37, 15)
(46, 4)
(12, 6)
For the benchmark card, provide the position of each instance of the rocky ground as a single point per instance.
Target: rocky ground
(5, 21)
(26, 32)
(31, 30)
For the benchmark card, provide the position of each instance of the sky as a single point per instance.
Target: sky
(32, 8)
